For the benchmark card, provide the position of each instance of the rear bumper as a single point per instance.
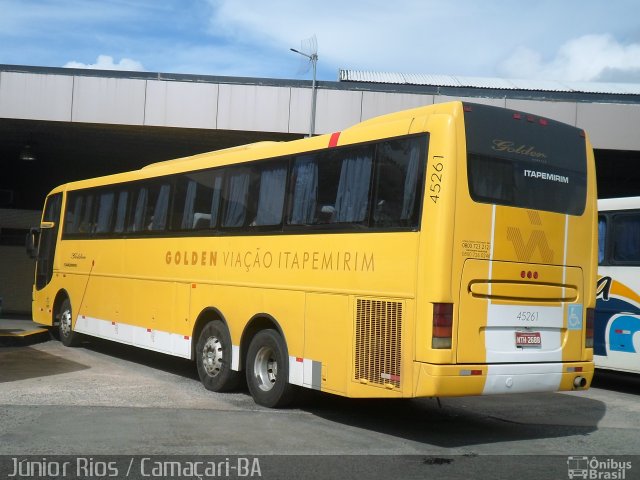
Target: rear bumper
(460, 380)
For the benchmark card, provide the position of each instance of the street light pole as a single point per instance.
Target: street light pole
(314, 60)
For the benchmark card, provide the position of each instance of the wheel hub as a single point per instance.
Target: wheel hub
(265, 368)
(212, 356)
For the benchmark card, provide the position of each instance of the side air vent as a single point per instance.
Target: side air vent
(378, 340)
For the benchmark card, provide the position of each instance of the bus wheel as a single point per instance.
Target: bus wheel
(213, 358)
(68, 337)
(267, 370)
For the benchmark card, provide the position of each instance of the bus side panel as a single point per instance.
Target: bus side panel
(617, 322)
(434, 275)
(328, 338)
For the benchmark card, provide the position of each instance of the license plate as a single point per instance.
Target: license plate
(528, 339)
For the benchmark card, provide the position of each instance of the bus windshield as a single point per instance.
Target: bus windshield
(525, 161)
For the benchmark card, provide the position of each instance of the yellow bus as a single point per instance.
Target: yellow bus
(446, 250)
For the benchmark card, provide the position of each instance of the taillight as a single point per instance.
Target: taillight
(442, 325)
(588, 339)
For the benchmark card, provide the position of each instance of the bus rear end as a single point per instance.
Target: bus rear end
(522, 291)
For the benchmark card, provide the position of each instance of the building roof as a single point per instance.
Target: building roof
(361, 76)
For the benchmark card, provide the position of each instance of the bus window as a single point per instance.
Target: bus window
(121, 212)
(158, 220)
(520, 162)
(105, 212)
(138, 214)
(305, 191)
(236, 196)
(151, 207)
(192, 201)
(398, 174)
(272, 189)
(626, 233)
(332, 188)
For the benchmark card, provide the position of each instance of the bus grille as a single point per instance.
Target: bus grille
(378, 340)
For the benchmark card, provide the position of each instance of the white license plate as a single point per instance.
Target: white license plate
(528, 339)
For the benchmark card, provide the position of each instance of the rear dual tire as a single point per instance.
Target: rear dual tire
(267, 370)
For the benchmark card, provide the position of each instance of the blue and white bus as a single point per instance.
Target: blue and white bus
(617, 322)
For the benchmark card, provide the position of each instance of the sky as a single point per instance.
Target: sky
(563, 40)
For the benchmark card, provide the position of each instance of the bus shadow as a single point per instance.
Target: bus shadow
(22, 363)
(617, 381)
(159, 361)
(465, 421)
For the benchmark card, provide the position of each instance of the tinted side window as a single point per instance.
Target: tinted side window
(106, 202)
(332, 187)
(151, 207)
(270, 191)
(398, 188)
(196, 201)
(79, 216)
(236, 197)
(626, 238)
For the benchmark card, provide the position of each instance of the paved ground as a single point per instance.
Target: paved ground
(108, 399)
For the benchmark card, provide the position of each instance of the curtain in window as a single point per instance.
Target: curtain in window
(122, 211)
(215, 200)
(271, 198)
(77, 214)
(353, 190)
(187, 213)
(87, 220)
(236, 202)
(105, 210)
(159, 219)
(410, 183)
(305, 191)
(602, 230)
(141, 207)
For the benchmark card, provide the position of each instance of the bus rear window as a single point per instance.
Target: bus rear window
(525, 161)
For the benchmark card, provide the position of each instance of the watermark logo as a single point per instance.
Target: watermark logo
(597, 468)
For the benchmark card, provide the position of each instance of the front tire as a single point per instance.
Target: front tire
(213, 358)
(267, 370)
(68, 337)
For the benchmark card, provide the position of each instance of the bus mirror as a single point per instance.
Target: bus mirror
(33, 238)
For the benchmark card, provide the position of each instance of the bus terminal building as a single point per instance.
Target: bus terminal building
(59, 125)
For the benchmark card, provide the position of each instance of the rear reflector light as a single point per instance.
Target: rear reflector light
(588, 338)
(470, 372)
(442, 325)
(574, 369)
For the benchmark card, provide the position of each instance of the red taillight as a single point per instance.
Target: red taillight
(517, 116)
(588, 339)
(544, 122)
(442, 325)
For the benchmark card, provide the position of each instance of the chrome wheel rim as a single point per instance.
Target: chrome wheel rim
(212, 356)
(65, 323)
(265, 368)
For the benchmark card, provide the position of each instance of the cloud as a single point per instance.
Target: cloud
(589, 58)
(105, 62)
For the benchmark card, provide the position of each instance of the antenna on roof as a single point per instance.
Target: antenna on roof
(309, 49)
